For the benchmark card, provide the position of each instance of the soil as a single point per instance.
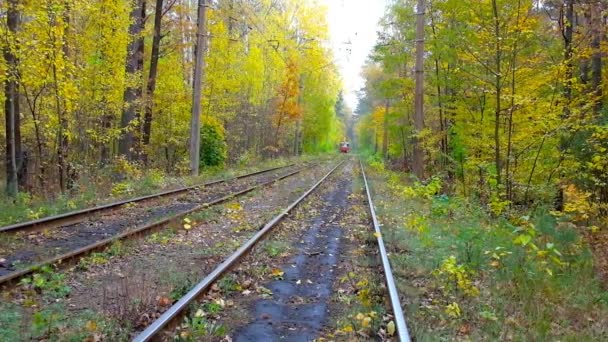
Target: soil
(40, 246)
(598, 242)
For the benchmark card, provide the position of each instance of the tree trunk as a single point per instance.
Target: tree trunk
(151, 87)
(60, 103)
(418, 162)
(11, 105)
(508, 172)
(385, 131)
(567, 31)
(584, 67)
(596, 57)
(199, 69)
(133, 92)
(498, 90)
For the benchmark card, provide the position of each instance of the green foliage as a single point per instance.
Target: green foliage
(53, 323)
(100, 258)
(275, 248)
(200, 325)
(10, 322)
(213, 144)
(181, 286)
(49, 282)
(228, 284)
(497, 275)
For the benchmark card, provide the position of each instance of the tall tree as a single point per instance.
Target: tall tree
(11, 103)
(597, 34)
(129, 122)
(151, 84)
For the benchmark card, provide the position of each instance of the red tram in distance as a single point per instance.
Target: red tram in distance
(344, 147)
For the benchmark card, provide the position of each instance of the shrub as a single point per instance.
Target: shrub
(213, 143)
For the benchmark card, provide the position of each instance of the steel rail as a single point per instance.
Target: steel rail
(402, 331)
(78, 215)
(174, 311)
(11, 277)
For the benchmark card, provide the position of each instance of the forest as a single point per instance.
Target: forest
(98, 88)
(514, 99)
(464, 197)
(497, 110)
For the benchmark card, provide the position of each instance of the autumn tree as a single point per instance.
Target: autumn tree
(14, 156)
(130, 119)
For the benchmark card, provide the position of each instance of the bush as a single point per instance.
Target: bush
(213, 143)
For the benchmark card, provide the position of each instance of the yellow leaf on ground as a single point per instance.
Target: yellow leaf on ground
(277, 272)
(91, 326)
(366, 321)
(390, 328)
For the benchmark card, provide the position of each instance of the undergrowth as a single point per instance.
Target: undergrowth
(468, 275)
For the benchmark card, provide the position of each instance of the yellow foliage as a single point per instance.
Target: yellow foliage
(450, 272)
(577, 203)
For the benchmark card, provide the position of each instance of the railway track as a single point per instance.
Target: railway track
(73, 217)
(171, 317)
(84, 238)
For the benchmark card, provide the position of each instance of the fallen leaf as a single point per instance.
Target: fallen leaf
(366, 321)
(277, 273)
(164, 301)
(91, 326)
(390, 328)
(464, 330)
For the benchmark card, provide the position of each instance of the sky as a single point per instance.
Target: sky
(353, 25)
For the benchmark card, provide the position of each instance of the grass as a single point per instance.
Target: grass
(54, 324)
(469, 276)
(274, 248)
(116, 249)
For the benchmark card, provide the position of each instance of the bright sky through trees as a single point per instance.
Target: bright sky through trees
(353, 25)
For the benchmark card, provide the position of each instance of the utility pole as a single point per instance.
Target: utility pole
(418, 163)
(199, 68)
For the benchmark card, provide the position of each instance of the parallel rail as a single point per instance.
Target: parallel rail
(14, 276)
(79, 215)
(169, 316)
(402, 331)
